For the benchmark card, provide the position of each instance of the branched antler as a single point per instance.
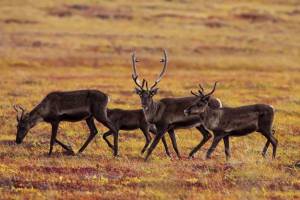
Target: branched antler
(19, 108)
(201, 91)
(213, 90)
(134, 75)
(162, 73)
(194, 94)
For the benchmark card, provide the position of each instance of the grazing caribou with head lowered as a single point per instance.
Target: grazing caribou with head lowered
(167, 114)
(226, 122)
(67, 106)
(135, 119)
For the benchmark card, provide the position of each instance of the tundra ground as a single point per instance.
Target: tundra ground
(251, 47)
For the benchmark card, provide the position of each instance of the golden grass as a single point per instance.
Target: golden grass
(251, 47)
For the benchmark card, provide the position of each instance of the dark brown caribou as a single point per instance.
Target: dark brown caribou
(229, 122)
(135, 119)
(167, 114)
(70, 106)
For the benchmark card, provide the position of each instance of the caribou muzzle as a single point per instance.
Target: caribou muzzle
(145, 107)
(18, 141)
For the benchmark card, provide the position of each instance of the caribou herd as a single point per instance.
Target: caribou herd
(201, 111)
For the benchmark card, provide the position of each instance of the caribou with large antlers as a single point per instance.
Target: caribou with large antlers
(70, 106)
(167, 114)
(228, 122)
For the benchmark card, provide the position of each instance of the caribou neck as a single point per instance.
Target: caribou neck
(35, 116)
(152, 112)
(211, 118)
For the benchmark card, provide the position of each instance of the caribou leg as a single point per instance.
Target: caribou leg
(93, 132)
(106, 122)
(166, 146)
(273, 141)
(161, 131)
(227, 148)
(154, 132)
(53, 136)
(267, 145)
(115, 133)
(217, 138)
(174, 143)
(147, 137)
(206, 136)
(105, 135)
(66, 147)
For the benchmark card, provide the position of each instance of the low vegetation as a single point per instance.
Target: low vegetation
(250, 47)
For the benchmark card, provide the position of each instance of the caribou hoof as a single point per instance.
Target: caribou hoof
(71, 153)
(146, 158)
(142, 152)
(191, 157)
(116, 155)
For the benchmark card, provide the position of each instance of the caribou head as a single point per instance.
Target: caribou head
(24, 123)
(201, 103)
(146, 93)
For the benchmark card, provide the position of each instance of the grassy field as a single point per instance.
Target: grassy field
(251, 47)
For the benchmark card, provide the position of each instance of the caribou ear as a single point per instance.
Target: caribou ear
(153, 91)
(138, 91)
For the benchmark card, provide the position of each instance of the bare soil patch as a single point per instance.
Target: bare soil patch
(19, 21)
(254, 16)
(104, 13)
(201, 49)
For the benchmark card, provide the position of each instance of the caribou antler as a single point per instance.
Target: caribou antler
(194, 94)
(134, 75)
(17, 109)
(162, 73)
(201, 91)
(213, 90)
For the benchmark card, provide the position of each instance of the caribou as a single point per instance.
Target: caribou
(135, 119)
(168, 113)
(228, 122)
(69, 106)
